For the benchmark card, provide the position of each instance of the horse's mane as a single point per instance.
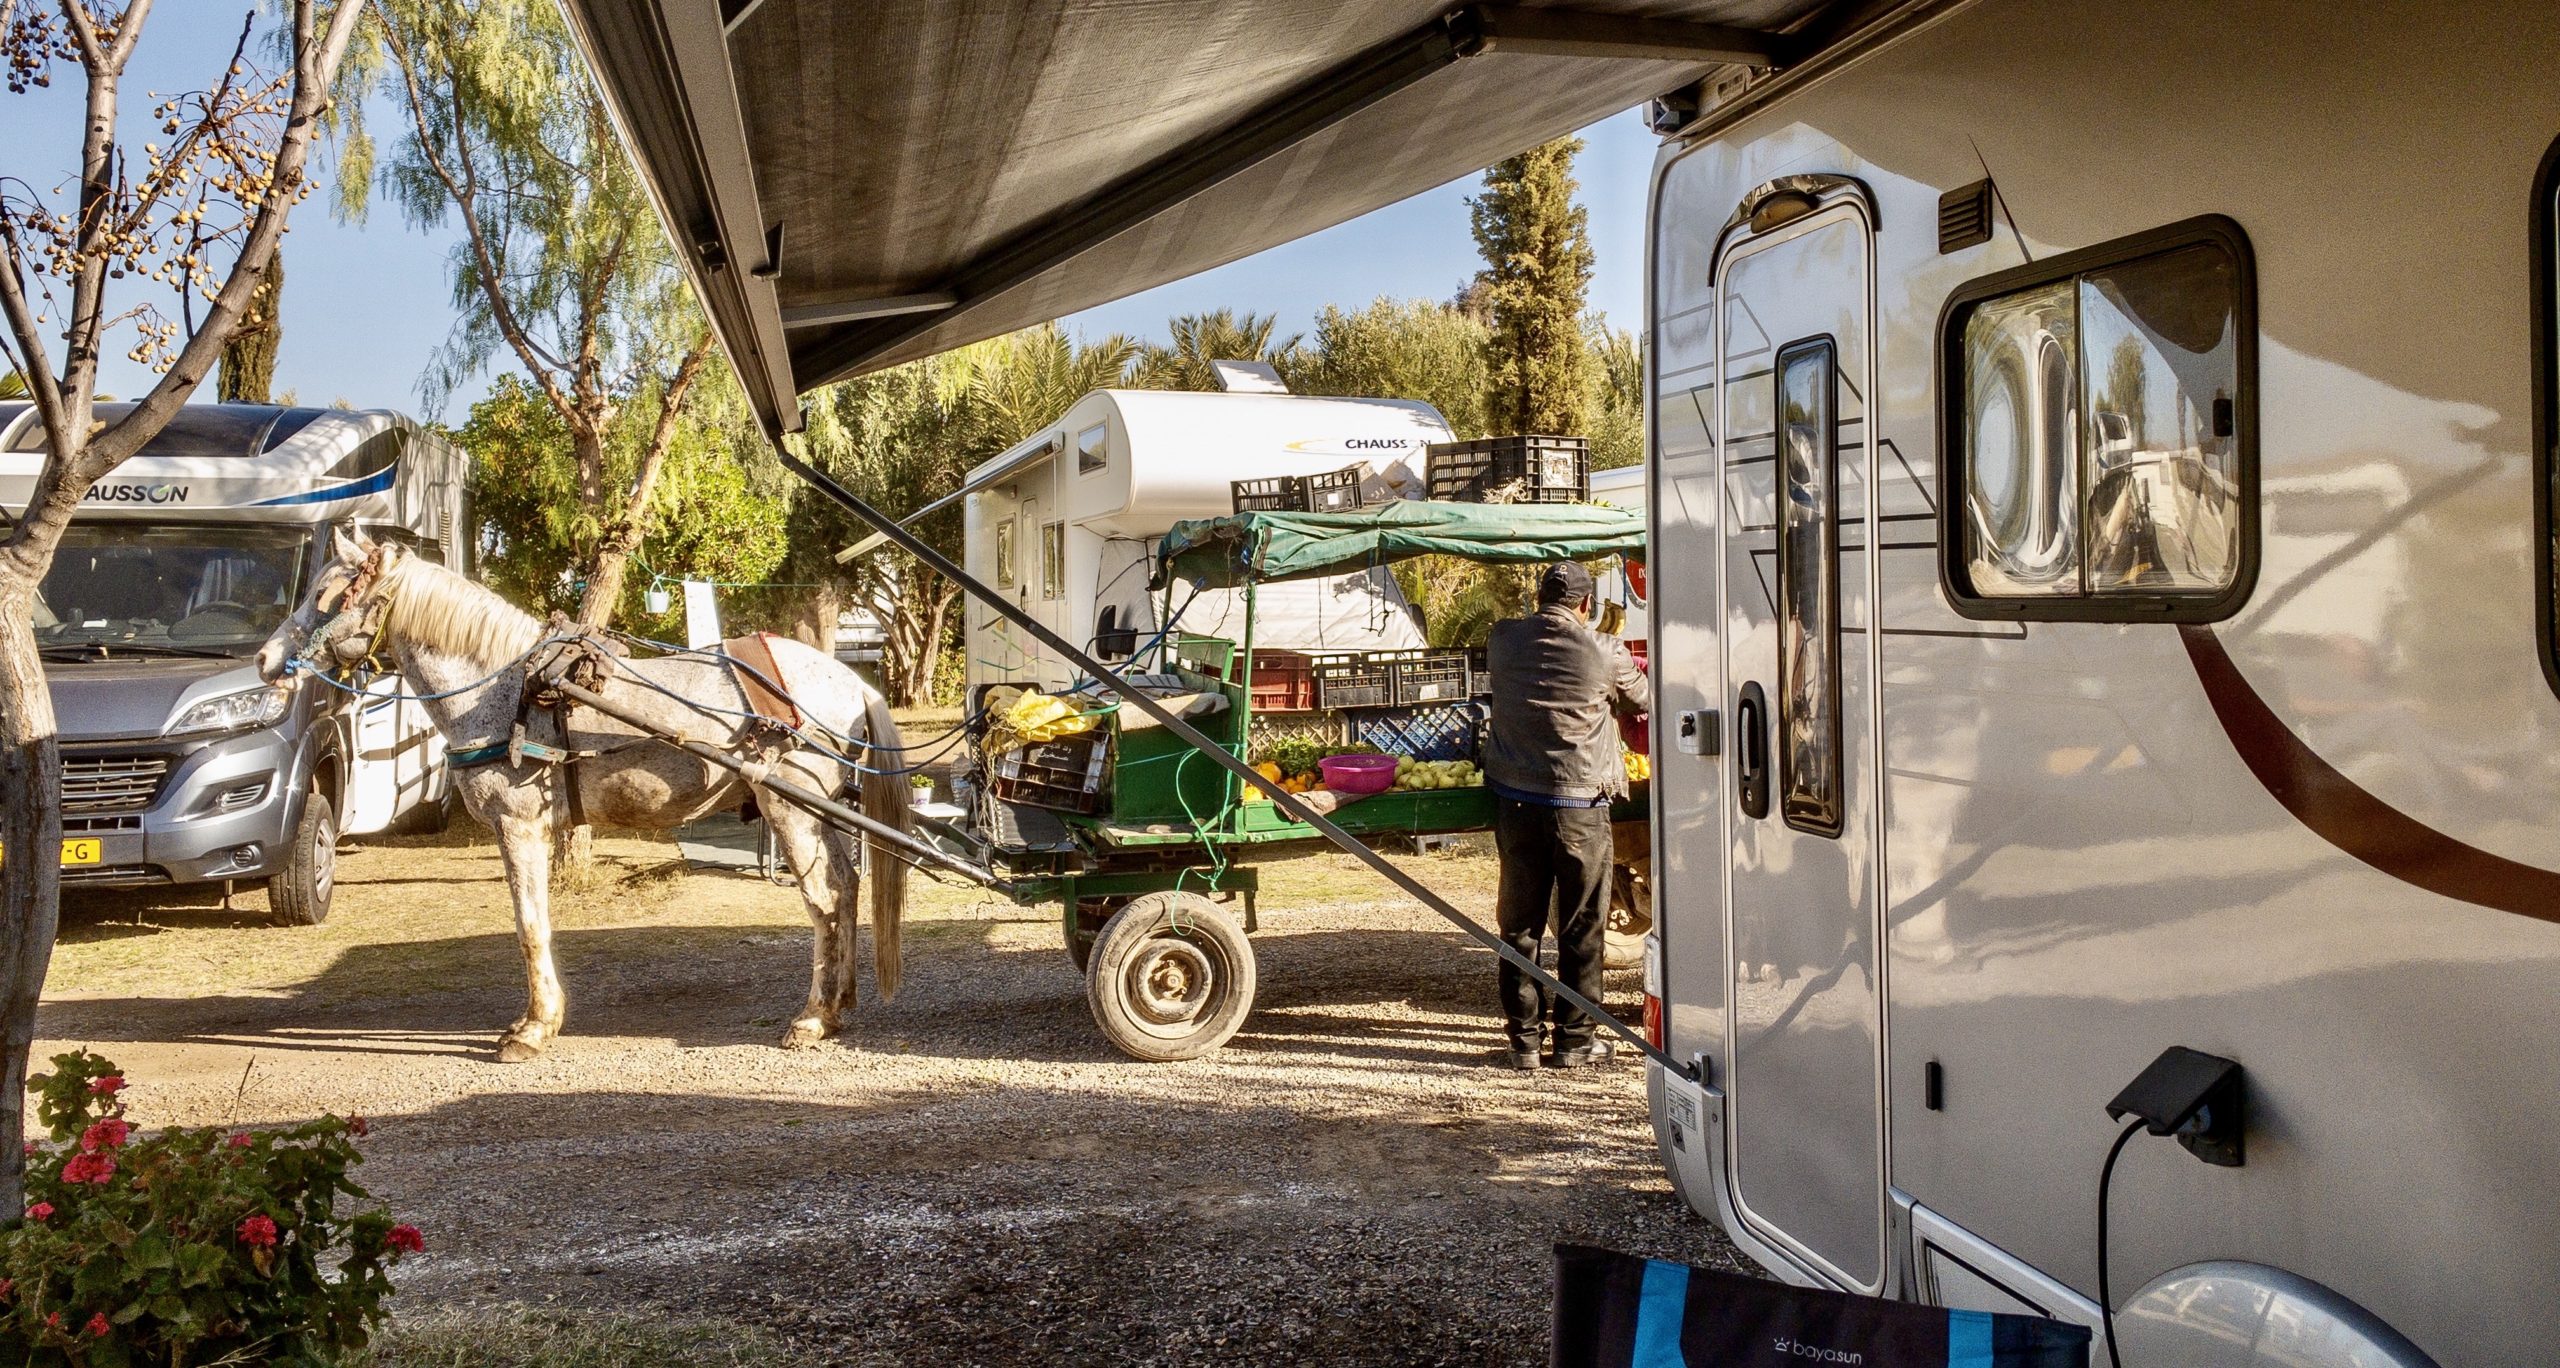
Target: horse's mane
(438, 610)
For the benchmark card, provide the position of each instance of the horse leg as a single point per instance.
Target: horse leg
(524, 844)
(845, 853)
(804, 853)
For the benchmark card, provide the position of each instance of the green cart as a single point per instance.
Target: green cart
(1153, 874)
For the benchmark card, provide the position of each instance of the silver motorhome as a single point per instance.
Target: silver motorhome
(2103, 558)
(179, 765)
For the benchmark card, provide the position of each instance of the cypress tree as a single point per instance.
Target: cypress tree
(1536, 244)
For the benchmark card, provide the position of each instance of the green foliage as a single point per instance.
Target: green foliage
(1536, 245)
(1400, 349)
(1613, 414)
(1199, 339)
(189, 1246)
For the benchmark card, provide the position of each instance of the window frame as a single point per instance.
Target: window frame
(1008, 551)
(1785, 804)
(1053, 569)
(2543, 250)
(2215, 230)
(1100, 459)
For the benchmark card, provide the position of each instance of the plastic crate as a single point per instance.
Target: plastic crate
(1366, 680)
(1283, 681)
(1525, 469)
(1066, 774)
(1434, 677)
(1446, 732)
(1270, 729)
(1333, 492)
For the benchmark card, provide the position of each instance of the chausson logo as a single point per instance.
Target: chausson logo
(136, 493)
(1325, 444)
(1796, 1348)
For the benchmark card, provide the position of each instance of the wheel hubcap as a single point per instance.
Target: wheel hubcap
(1172, 981)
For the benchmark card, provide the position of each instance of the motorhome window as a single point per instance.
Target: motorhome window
(1053, 560)
(1093, 449)
(195, 430)
(168, 590)
(1809, 759)
(2096, 422)
(1004, 554)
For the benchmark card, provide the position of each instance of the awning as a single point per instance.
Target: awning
(855, 183)
(1264, 547)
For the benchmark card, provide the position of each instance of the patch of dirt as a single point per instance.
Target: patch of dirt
(969, 1176)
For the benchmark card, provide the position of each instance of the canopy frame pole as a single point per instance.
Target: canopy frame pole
(1234, 764)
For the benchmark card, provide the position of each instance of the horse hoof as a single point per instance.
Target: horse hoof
(515, 1049)
(804, 1035)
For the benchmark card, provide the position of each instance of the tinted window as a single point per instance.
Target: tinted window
(1093, 449)
(1809, 780)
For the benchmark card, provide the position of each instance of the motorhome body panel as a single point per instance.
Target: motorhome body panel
(2081, 867)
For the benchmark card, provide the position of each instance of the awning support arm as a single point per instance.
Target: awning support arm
(1284, 800)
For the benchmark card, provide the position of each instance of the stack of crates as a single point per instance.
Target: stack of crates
(1334, 492)
(1526, 469)
(1066, 774)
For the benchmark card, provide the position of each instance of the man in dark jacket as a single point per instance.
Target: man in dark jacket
(1552, 763)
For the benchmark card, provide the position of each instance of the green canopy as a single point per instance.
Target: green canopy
(1264, 547)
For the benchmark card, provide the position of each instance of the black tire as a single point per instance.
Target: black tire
(433, 817)
(1091, 914)
(1171, 977)
(299, 893)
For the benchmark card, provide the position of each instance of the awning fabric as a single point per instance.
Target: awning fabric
(1264, 547)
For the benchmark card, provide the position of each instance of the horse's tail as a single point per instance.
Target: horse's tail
(885, 798)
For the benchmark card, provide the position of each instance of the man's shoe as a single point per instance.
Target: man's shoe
(1516, 1059)
(1576, 1056)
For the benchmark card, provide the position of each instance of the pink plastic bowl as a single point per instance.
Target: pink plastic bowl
(1354, 774)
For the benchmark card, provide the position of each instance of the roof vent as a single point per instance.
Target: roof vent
(1249, 377)
(1964, 217)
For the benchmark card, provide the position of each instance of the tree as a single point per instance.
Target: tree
(219, 179)
(1536, 245)
(248, 374)
(1199, 339)
(1408, 349)
(562, 264)
(1613, 412)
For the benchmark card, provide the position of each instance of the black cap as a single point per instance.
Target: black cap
(1564, 582)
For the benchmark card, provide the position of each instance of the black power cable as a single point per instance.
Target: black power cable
(2106, 1294)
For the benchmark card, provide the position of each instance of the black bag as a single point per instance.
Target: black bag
(1619, 1311)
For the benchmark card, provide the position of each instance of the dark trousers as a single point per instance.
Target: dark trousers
(1555, 866)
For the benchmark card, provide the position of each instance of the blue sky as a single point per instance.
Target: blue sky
(366, 305)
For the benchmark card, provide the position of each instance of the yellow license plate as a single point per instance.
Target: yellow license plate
(80, 850)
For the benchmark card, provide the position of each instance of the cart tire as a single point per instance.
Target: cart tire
(1171, 977)
(1096, 912)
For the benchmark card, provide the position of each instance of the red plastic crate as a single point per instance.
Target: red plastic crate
(1283, 681)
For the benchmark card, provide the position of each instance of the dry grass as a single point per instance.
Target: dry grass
(520, 1337)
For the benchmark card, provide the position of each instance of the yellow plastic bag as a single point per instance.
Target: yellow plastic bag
(1037, 716)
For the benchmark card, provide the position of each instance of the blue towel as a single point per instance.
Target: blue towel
(1619, 1311)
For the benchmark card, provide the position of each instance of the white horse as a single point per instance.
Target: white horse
(449, 636)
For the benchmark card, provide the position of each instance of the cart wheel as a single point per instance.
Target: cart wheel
(1091, 915)
(1171, 977)
(1629, 920)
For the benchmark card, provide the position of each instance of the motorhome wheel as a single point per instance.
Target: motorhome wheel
(298, 894)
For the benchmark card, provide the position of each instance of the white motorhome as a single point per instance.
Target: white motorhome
(179, 764)
(2100, 501)
(1067, 521)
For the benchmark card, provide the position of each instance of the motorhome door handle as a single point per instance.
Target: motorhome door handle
(1751, 751)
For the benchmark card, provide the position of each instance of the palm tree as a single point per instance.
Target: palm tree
(12, 385)
(1199, 339)
(1022, 383)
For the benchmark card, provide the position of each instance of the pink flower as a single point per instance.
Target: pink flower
(40, 1211)
(406, 1239)
(108, 1086)
(97, 1323)
(240, 1140)
(107, 1134)
(29, 1149)
(52, 1320)
(88, 1168)
(257, 1230)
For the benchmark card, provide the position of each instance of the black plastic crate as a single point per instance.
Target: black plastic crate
(1066, 774)
(1431, 677)
(1333, 492)
(1526, 469)
(1443, 732)
(1366, 680)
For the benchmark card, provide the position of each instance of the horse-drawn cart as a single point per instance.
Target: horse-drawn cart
(1148, 846)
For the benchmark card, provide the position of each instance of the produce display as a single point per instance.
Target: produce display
(1639, 766)
(1412, 774)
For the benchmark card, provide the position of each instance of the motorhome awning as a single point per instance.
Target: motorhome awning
(855, 183)
(1265, 547)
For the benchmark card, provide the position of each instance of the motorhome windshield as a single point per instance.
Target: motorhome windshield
(170, 590)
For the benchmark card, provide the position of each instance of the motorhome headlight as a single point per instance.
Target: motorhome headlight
(258, 707)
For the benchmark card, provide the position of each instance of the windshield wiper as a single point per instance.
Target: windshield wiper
(109, 650)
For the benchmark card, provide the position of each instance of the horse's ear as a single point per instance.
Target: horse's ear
(347, 547)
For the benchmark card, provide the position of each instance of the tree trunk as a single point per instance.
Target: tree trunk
(815, 624)
(30, 866)
(623, 535)
(248, 373)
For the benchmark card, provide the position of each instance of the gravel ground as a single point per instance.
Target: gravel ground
(969, 1176)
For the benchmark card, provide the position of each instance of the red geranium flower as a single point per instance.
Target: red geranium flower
(257, 1230)
(108, 1086)
(40, 1211)
(406, 1239)
(97, 1323)
(107, 1134)
(88, 1168)
(240, 1140)
(52, 1320)
(356, 1124)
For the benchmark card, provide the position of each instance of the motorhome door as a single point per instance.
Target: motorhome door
(1804, 1078)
